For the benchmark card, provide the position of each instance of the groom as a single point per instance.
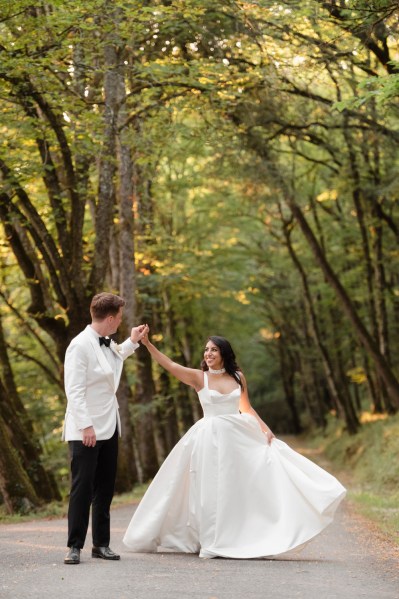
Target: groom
(93, 366)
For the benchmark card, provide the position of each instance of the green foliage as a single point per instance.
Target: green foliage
(382, 89)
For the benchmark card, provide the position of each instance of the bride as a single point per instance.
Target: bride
(229, 488)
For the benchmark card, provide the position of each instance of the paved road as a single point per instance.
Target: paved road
(347, 561)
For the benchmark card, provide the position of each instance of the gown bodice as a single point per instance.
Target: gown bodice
(218, 404)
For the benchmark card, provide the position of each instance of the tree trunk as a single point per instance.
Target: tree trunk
(169, 419)
(343, 378)
(20, 430)
(107, 169)
(343, 403)
(287, 376)
(186, 352)
(125, 274)
(381, 309)
(394, 324)
(127, 474)
(308, 376)
(374, 271)
(143, 424)
(375, 397)
(15, 487)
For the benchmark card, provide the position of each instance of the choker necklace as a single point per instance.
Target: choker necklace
(221, 371)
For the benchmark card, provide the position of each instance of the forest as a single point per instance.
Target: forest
(229, 168)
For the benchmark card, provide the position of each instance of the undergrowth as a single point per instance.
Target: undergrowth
(369, 463)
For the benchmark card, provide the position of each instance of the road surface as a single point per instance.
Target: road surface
(347, 561)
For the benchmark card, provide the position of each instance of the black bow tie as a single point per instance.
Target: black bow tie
(105, 341)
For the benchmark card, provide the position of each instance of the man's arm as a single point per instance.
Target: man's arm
(76, 361)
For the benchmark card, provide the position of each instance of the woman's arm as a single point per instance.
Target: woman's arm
(246, 408)
(189, 376)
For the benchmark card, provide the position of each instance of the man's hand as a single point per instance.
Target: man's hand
(89, 437)
(137, 333)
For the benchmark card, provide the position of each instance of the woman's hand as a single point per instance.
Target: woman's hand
(145, 340)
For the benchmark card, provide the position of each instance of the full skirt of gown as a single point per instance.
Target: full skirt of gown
(224, 491)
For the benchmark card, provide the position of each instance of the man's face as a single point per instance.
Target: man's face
(114, 322)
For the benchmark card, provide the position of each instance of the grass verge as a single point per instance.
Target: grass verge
(368, 464)
(59, 509)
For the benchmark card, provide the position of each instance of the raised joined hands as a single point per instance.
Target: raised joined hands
(137, 333)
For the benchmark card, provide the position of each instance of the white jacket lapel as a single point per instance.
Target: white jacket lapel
(101, 358)
(119, 363)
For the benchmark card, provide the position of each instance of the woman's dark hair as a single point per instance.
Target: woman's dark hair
(228, 357)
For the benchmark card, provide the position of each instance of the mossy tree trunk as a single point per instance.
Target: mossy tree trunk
(15, 487)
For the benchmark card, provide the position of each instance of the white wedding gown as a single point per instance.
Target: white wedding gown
(223, 491)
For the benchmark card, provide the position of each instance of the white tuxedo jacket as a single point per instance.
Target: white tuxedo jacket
(91, 384)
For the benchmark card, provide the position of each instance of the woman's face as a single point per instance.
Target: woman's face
(212, 356)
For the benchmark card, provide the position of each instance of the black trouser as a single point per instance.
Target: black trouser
(93, 480)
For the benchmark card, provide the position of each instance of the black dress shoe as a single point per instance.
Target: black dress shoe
(73, 556)
(104, 553)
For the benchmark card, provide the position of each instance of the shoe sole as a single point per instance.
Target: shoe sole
(110, 559)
